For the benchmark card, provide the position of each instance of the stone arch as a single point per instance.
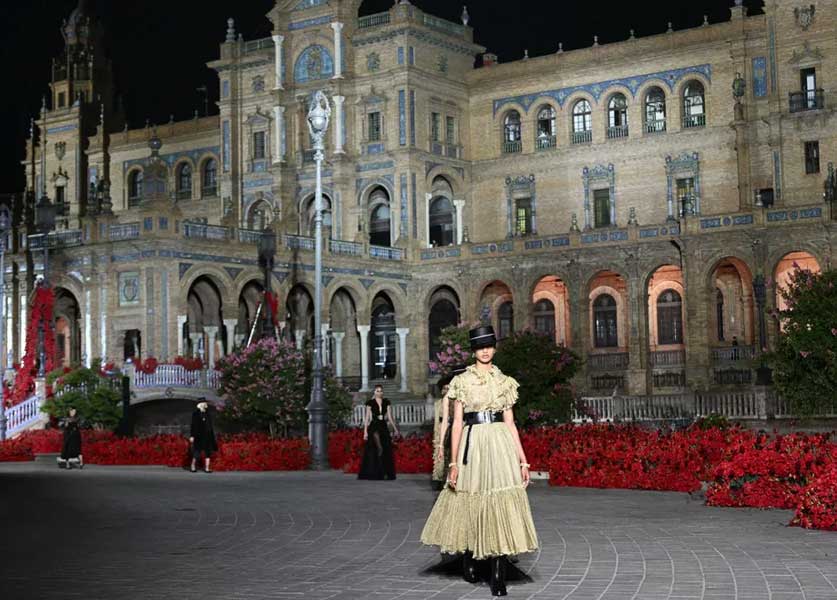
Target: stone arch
(733, 278)
(260, 214)
(380, 216)
(493, 295)
(250, 298)
(455, 180)
(305, 210)
(219, 277)
(68, 332)
(181, 163)
(382, 336)
(444, 309)
(205, 318)
(442, 223)
(611, 283)
(784, 269)
(396, 296)
(313, 63)
(651, 83)
(299, 305)
(553, 289)
(343, 351)
(684, 80)
(659, 280)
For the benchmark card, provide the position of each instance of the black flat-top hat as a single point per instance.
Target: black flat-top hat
(482, 337)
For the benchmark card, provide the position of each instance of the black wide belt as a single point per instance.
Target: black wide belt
(478, 418)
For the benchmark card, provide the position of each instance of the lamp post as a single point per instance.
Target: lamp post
(830, 189)
(267, 250)
(4, 225)
(45, 221)
(318, 116)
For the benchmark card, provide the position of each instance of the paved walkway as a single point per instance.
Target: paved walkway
(112, 533)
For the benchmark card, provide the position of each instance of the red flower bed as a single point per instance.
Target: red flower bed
(817, 506)
(413, 454)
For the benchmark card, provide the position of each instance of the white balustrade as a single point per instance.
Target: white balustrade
(410, 414)
(177, 376)
(22, 416)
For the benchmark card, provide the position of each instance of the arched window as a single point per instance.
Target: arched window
(604, 322)
(379, 224)
(719, 314)
(441, 222)
(307, 226)
(184, 181)
(617, 116)
(655, 110)
(546, 128)
(134, 187)
(259, 217)
(582, 122)
(694, 114)
(511, 132)
(545, 317)
(210, 178)
(505, 320)
(669, 318)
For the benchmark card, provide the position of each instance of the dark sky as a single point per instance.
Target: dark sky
(159, 47)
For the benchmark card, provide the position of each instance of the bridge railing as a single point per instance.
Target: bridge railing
(410, 414)
(176, 376)
(22, 416)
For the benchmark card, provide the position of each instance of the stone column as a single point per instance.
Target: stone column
(196, 344)
(402, 355)
(338, 124)
(229, 325)
(211, 332)
(181, 321)
(338, 352)
(300, 338)
(88, 330)
(279, 134)
(363, 330)
(459, 205)
(338, 50)
(277, 60)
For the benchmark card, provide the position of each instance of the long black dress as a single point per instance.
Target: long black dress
(378, 462)
(204, 433)
(71, 448)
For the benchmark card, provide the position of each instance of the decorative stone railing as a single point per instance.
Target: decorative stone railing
(125, 231)
(249, 236)
(411, 414)
(345, 248)
(56, 239)
(300, 242)
(206, 232)
(605, 362)
(386, 253)
(22, 416)
(725, 354)
(176, 376)
(668, 358)
(375, 20)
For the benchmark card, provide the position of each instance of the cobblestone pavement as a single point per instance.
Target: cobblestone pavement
(129, 532)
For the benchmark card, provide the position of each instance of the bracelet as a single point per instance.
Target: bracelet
(525, 465)
(451, 465)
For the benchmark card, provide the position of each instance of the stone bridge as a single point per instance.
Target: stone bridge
(173, 381)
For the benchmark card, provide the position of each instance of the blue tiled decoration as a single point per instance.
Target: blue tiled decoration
(255, 183)
(742, 220)
(759, 76)
(415, 204)
(710, 223)
(590, 176)
(376, 148)
(225, 88)
(386, 181)
(412, 116)
(225, 128)
(70, 127)
(771, 47)
(648, 233)
(403, 228)
(170, 159)
(148, 223)
(309, 23)
(305, 4)
(777, 174)
(375, 166)
(314, 63)
(233, 272)
(163, 222)
(183, 268)
(411, 55)
(400, 55)
(360, 40)
(402, 117)
(367, 283)
(597, 89)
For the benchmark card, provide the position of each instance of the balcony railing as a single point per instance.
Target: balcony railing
(582, 137)
(56, 239)
(184, 194)
(668, 358)
(209, 191)
(345, 248)
(807, 100)
(669, 379)
(733, 376)
(617, 132)
(206, 232)
(692, 121)
(655, 126)
(443, 25)
(249, 236)
(512, 147)
(545, 142)
(726, 354)
(607, 362)
(373, 20)
(386, 253)
(299, 242)
(126, 231)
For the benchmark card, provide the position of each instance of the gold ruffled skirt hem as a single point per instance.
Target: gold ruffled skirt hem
(491, 523)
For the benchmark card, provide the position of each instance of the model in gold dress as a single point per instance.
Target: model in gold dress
(484, 512)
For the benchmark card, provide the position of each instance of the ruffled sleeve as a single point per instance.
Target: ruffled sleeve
(506, 393)
(456, 389)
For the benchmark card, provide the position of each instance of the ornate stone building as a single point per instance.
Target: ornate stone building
(635, 200)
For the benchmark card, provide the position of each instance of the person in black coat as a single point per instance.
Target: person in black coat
(71, 448)
(202, 435)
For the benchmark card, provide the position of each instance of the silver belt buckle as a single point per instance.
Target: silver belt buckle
(381, 417)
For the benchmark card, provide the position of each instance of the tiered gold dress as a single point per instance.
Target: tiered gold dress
(489, 512)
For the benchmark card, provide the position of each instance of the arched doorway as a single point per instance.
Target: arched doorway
(441, 214)
(444, 312)
(666, 330)
(344, 343)
(306, 222)
(785, 268)
(731, 319)
(380, 218)
(259, 216)
(204, 335)
(608, 325)
(67, 315)
(551, 311)
(300, 316)
(249, 300)
(497, 308)
(383, 338)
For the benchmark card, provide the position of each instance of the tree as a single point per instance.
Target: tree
(455, 344)
(543, 370)
(96, 398)
(805, 361)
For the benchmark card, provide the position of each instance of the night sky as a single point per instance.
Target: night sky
(160, 47)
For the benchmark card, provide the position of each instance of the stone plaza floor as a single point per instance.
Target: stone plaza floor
(150, 532)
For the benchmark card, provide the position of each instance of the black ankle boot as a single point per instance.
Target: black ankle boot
(498, 575)
(469, 567)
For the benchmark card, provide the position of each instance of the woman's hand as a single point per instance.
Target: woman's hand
(524, 474)
(365, 436)
(453, 474)
(440, 453)
(191, 440)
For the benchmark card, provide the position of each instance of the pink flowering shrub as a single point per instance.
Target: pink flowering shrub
(455, 350)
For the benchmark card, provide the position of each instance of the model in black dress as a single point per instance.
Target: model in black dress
(202, 435)
(71, 448)
(378, 461)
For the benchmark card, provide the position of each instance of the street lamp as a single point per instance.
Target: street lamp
(830, 189)
(267, 250)
(318, 116)
(4, 226)
(45, 221)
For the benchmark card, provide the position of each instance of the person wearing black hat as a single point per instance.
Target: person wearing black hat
(484, 512)
(443, 417)
(202, 435)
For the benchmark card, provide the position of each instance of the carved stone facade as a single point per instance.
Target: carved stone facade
(459, 194)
